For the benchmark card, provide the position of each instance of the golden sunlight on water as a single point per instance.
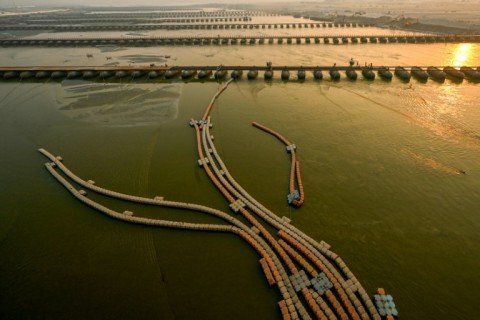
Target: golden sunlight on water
(449, 101)
(462, 54)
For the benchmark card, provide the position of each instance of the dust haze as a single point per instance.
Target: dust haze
(462, 16)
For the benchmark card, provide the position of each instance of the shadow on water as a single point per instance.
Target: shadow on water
(432, 163)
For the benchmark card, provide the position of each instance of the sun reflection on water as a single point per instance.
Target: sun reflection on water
(449, 100)
(462, 55)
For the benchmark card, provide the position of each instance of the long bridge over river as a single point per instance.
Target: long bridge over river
(204, 73)
(129, 41)
(187, 24)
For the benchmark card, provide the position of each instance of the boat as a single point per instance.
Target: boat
(220, 74)
(419, 74)
(317, 74)
(470, 73)
(203, 74)
(252, 74)
(268, 75)
(403, 74)
(89, 74)
(120, 74)
(73, 74)
(10, 75)
(301, 75)
(367, 73)
(153, 74)
(105, 74)
(171, 73)
(57, 74)
(385, 305)
(454, 73)
(436, 74)
(136, 74)
(334, 74)
(236, 74)
(351, 73)
(42, 75)
(26, 75)
(285, 74)
(385, 73)
(186, 74)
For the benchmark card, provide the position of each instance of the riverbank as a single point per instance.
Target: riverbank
(458, 17)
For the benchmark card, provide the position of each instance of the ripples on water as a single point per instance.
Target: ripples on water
(119, 104)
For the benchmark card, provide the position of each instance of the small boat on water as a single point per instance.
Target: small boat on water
(105, 74)
(57, 75)
(186, 74)
(301, 75)
(419, 74)
(252, 74)
(42, 75)
(436, 74)
(220, 74)
(153, 74)
(120, 74)
(73, 74)
(236, 74)
(204, 74)
(89, 74)
(285, 74)
(368, 73)
(334, 74)
(10, 75)
(403, 74)
(351, 73)
(171, 73)
(268, 75)
(317, 74)
(385, 73)
(454, 73)
(136, 74)
(26, 75)
(470, 73)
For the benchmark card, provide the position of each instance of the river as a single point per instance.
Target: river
(390, 170)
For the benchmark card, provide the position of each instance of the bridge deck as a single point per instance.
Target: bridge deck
(193, 68)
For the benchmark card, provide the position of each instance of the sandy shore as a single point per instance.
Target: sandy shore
(457, 16)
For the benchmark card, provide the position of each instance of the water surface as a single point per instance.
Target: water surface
(390, 169)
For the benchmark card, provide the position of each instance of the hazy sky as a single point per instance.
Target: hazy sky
(4, 3)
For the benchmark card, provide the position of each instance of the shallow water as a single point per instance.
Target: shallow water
(390, 170)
